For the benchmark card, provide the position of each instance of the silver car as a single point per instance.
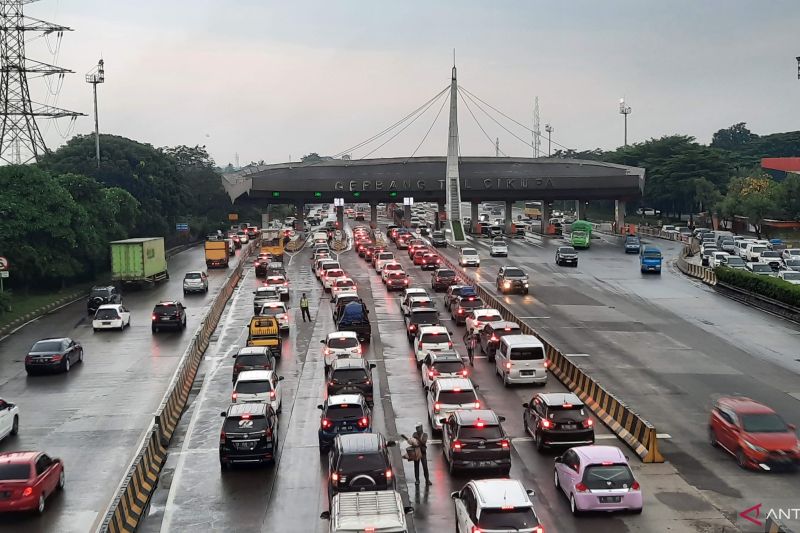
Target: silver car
(195, 281)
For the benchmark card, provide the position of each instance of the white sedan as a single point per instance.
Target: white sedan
(388, 268)
(431, 338)
(330, 277)
(279, 311)
(343, 284)
(9, 419)
(480, 317)
(111, 316)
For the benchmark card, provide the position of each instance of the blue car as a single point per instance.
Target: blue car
(632, 244)
(342, 414)
(650, 260)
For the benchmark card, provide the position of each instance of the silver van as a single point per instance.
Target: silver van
(521, 359)
(378, 511)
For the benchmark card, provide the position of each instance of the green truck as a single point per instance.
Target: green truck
(581, 236)
(139, 261)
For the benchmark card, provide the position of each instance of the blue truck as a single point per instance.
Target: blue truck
(650, 259)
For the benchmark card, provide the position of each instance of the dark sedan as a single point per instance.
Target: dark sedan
(53, 355)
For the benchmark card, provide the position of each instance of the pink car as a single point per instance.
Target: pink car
(597, 478)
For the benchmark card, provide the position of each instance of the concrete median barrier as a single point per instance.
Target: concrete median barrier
(774, 526)
(135, 490)
(639, 434)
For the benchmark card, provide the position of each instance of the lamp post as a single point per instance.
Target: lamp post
(798, 67)
(549, 129)
(625, 111)
(98, 76)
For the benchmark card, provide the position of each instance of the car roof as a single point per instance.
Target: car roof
(109, 306)
(444, 355)
(486, 311)
(501, 493)
(53, 339)
(359, 442)
(195, 272)
(560, 398)
(520, 340)
(598, 454)
(419, 297)
(503, 324)
(742, 404)
(469, 418)
(348, 362)
(455, 383)
(342, 335)
(469, 249)
(18, 456)
(433, 329)
(254, 375)
(338, 399)
(250, 408)
(416, 290)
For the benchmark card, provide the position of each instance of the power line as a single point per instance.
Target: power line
(466, 104)
(444, 101)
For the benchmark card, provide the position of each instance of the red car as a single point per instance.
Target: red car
(396, 280)
(27, 479)
(753, 433)
(430, 261)
(416, 257)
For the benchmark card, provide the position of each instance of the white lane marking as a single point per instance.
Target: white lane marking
(533, 317)
(577, 355)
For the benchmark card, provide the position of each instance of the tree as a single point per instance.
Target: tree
(313, 157)
(789, 195)
(735, 137)
(754, 197)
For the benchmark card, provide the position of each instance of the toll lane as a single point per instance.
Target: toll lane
(93, 416)
(666, 345)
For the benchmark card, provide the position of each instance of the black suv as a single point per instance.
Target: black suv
(454, 291)
(102, 296)
(253, 358)
(249, 434)
(512, 279)
(168, 314)
(492, 332)
(359, 462)
(462, 306)
(342, 414)
(443, 278)
(438, 239)
(558, 419)
(420, 316)
(350, 375)
(475, 440)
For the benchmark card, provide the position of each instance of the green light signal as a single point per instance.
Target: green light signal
(276, 194)
(393, 194)
(357, 194)
(317, 194)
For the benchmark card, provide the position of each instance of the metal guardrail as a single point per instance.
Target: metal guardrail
(134, 492)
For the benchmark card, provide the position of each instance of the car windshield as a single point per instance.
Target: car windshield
(485, 432)
(193, 275)
(794, 251)
(575, 413)
(769, 253)
(450, 397)
(47, 346)
(445, 274)
(393, 266)
(515, 518)
(425, 317)
(733, 260)
(448, 367)
(566, 250)
(791, 276)
(438, 235)
(757, 249)
(434, 338)
(167, 309)
(254, 360)
(344, 411)
(253, 387)
(342, 342)
(271, 311)
(102, 293)
(471, 304)
(397, 275)
(652, 255)
(793, 262)
(489, 318)
(345, 283)
(14, 471)
(615, 476)
(415, 304)
(385, 256)
(763, 423)
(106, 314)
(514, 273)
(349, 374)
(362, 462)
(468, 251)
(527, 354)
(760, 268)
(253, 423)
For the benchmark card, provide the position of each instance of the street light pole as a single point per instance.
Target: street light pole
(798, 67)
(625, 111)
(98, 76)
(549, 129)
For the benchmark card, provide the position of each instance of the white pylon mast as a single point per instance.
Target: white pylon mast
(537, 132)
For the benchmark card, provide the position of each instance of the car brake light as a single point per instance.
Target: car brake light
(465, 372)
(155, 317)
(272, 395)
(335, 477)
(234, 396)
(460, 311)
(538, 529)
(222, 438)
(326, 351)
(450, 344)
(389, 473)
(456, 445)
(27, 491)
(494, 338)
(358, 350)
(547, 364)
(471, 298)
(437, 407)
(432, 373)
(480, 424)
(419, 345)
(546, 423)
(475, 529)
(326, 423)
(635, 485)
(477, 405)
(504, 444)
(588, 423)
(580, 487)
(607, 463)
(363, 422)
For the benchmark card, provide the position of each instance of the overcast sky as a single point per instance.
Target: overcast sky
(271, 79)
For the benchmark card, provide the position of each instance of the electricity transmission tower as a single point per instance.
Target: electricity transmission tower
(537, 132)
(20, 138)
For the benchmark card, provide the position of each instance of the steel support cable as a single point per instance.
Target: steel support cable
(488, 137)
(431, 102)
(527, 128)
(382, 133)
(523, 141)
(436, 118)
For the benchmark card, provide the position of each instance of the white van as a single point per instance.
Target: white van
(469, 257)
(521, 359)
(260, 386)
(379, 511)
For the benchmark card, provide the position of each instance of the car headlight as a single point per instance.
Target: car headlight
(755, 448)
(525, 283)
(507, 284)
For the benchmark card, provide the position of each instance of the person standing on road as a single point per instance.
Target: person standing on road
(471, 341)
(420, 440)
(304, 308)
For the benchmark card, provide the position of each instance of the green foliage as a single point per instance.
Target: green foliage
(458, 231)
(735, 137)
(5, 302)
(753, 197)
(313, 157)
(774, 288)
(789, 197)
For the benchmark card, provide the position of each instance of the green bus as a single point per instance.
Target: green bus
(581, 235)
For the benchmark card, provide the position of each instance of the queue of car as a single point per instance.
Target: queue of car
(758, 256)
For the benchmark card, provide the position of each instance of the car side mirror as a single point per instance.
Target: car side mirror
(322, 341)
(454, 495)
(223, 413)
(790, 426)
(531, 492)
(325, 515)
(408, 509)
(320, 407)
(391, 443)
(526, 405)
(280, 378)
(427, 387)
(501, 418)
(559, 459)
(372, 365)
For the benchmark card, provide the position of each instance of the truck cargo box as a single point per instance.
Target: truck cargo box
(140, 260)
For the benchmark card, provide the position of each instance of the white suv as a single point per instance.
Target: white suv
(480, 317)
(449, 394)
(499, 247)
(495, 505)
(262, 386)
(469, 257)
(431, 338)
(338, 345)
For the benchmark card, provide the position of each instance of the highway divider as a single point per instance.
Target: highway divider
(134, 492)
(774, 526)
(639, 434)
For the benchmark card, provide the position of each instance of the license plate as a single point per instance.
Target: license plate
(5, 495)
(106, 323)
(346, 428)
(485, 463)
(526, 372)
(247, 445)
(570, 426)
(164, 318)
(610, 499)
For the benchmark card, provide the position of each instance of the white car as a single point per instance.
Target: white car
(264, 295)
(771, 258)
(504, 500)
(408, 293)
(754, 252)
(740, 247)
(279, 311)
(442, 365)
(388, 268)
(330, 276)
(448, 394)
(430, 339)
(243, 238)
(384, 258)
(340, 344)
(790, 253)
(716, 258)
(9, 419)
(281, 285)
(480, 317)
(324, 264)
(341, 285)
(196, 281)
(259, 386)
(111, 316)
(499, 247)
(469, 257)
(790, 276)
